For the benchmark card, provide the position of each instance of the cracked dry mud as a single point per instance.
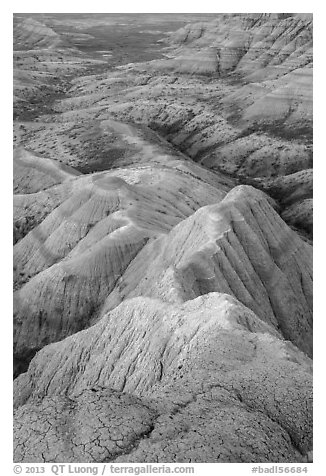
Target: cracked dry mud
(163, 230)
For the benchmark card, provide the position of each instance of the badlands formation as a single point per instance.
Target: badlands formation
(163, 243)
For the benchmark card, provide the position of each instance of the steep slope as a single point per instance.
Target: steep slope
(31, 209)
(42, 60)
(80, 250)
(31, 34)
(190, 364)
(249, 116)
(162, 311)
(240, 247)
(294, 192)
(272, 56)
(241, 39)
(35, 190)
(32, 173)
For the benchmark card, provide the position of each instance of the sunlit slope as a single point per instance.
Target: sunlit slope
(32, 173)
(72, 260)
(240, 247)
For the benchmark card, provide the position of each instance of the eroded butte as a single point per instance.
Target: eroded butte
(163, 238)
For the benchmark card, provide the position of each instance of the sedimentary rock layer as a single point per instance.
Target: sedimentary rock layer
(68, 264)
(161, 312)
(205, 371)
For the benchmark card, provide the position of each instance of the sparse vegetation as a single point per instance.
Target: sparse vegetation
(162, 304)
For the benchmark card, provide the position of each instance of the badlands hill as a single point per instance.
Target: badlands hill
(245, 112)
(30, 34)
(42, 59)
(33, 173)
(224, 288)
(88, 239)
(162, 246)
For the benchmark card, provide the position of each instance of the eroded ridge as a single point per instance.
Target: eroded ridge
(205, 372)
(195, 361)
(162, 230)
